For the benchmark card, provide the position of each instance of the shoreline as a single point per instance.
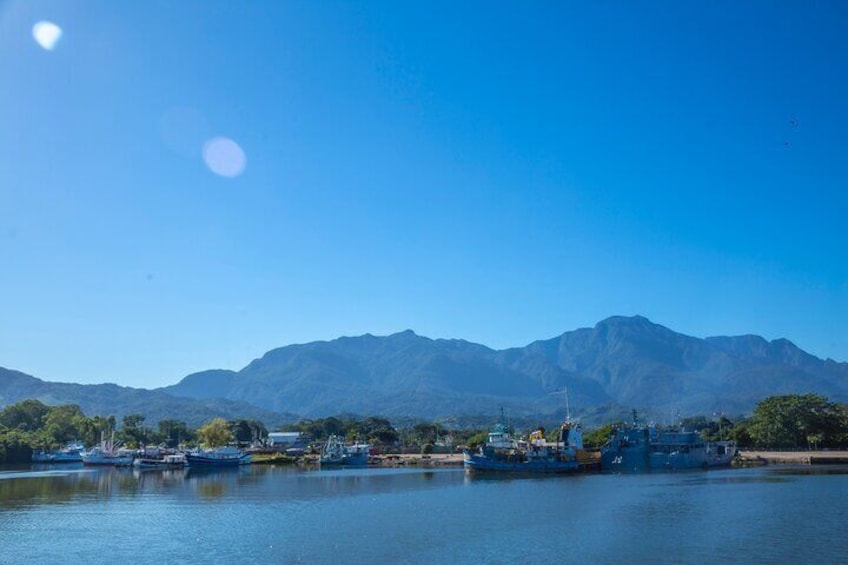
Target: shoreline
(743, 459)
(417, 460)
(383, 460)
(793, 457)
(746, 458)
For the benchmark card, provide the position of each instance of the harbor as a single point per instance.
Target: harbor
(423, 511)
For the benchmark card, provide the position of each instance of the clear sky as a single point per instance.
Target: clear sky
(186, 185)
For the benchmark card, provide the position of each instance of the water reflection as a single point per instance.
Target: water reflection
(49, 486)
(267, 514)
(732, 480)
(811, 470)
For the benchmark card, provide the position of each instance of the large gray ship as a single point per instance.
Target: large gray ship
(640, 448)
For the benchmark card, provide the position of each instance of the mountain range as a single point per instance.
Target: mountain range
(620, 363)
(106, 399)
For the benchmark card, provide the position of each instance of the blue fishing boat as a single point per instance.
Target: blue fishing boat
(167, 461)
(108, 453)
(503, 453)
(71, 453)
(639, 448)
(356, 454)
(337, 452)
(217, 457)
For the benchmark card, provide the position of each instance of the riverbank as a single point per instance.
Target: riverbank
(744, 459)
(417, 460)
(793, 457)
(751, 457)
(387, 460)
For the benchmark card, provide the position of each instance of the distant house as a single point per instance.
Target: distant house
(286, 440)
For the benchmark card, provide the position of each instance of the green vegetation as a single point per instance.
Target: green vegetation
(599, 436)
(378, 431)
(32, 425)
(215, 433)
(792, 421)
(807, 421)
(795, 421)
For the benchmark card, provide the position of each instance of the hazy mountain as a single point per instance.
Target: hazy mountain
(106, 399)
(398, 375)
(621, 362)
(643, 364)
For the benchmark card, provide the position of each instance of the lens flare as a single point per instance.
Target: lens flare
(224, 157)
(47, 34)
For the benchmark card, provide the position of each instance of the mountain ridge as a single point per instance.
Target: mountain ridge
(620, 362)
(628, 361)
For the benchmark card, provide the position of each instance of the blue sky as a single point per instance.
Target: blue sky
(499, 172)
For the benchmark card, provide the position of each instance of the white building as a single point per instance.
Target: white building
(285, 439)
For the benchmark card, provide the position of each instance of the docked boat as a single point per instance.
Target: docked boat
(106, 457)
(71, 453)
(167, 461)
(108, 453)
(228, 456)
(333, 452)
(503, 453)
(337, 452)
(356, 455)
(639, 448)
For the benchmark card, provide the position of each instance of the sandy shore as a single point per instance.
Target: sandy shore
(794, 457)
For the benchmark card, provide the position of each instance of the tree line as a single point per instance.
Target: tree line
(789, 421)
(794, 421)
(31, 425)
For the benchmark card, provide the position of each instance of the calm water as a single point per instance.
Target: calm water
(285, 515)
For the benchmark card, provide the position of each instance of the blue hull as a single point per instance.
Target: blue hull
(637, 450)
(211, 462)
(483, 463)
(55, 458)
(356, 460)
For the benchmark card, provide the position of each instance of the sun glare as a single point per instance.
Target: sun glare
(47, 34)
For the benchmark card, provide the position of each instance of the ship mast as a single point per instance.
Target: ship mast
(567, 408)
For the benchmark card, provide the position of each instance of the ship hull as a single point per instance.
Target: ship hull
(476, 462)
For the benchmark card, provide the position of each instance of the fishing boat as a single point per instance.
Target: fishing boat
(356, 455)
(167, 461)
(337, 452)
(101, 456)
(638, 448)
(108, 453)
(333, 452)
(503, 453)
(228, 456)
(71, 453)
